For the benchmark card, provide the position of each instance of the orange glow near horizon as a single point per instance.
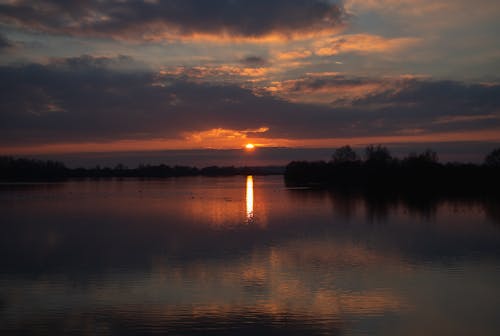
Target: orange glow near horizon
(236, 143)
(249, 146)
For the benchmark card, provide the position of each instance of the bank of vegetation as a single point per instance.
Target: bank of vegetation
(22, 169)
(379, 171)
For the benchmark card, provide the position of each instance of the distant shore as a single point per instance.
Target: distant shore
(377, 171)
(20, 169)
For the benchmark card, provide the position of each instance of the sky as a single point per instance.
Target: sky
(131, 76)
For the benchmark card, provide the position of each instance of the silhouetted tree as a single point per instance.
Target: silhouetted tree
(493, 158)
(377, 155)
(427, 158)
(11, 168)
(344, 154)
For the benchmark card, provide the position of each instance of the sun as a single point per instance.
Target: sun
(249, 146)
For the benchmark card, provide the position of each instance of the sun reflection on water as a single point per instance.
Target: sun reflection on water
(249, 197)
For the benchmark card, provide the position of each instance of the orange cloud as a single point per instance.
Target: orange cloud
(221, 137)
(363, 43)
(279, 37)
(294, 54)
(211, 72)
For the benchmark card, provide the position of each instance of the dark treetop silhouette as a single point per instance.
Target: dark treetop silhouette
(12, 169)
(379, 171)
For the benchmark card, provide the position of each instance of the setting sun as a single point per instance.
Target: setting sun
(249, 146)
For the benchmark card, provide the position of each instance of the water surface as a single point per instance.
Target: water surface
(243, 256)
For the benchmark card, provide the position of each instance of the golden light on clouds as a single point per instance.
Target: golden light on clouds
(162, 34)
(215, 71)
(331, 90)
(363, 43)
(231, 142)
(294, 54)
(225, 138)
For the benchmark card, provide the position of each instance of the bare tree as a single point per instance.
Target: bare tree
(377, 154)
(344, 154)
(493, 158)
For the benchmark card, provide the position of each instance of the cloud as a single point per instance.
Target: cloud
(327, 88)
(254, 61)
(173, 19)
(221, 138)
(424, 7)
(294, 54)
(95, 63)
(467, 118)
(363, 44)
(5, 43)
(217, 73)
(91, 100)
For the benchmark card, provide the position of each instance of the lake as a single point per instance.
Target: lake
(243, 256)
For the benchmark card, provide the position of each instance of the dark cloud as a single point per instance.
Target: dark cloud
(86, 99)
(328, 82)
(439, 94)
(254, 61)
(83, 99)
(88, 62)
(437, 105)
(402, 103)
(134, 19)
(5, 43)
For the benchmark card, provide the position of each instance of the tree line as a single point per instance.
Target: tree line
(30, 169)
(379, 170)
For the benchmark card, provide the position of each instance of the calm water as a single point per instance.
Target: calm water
(242, 256)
